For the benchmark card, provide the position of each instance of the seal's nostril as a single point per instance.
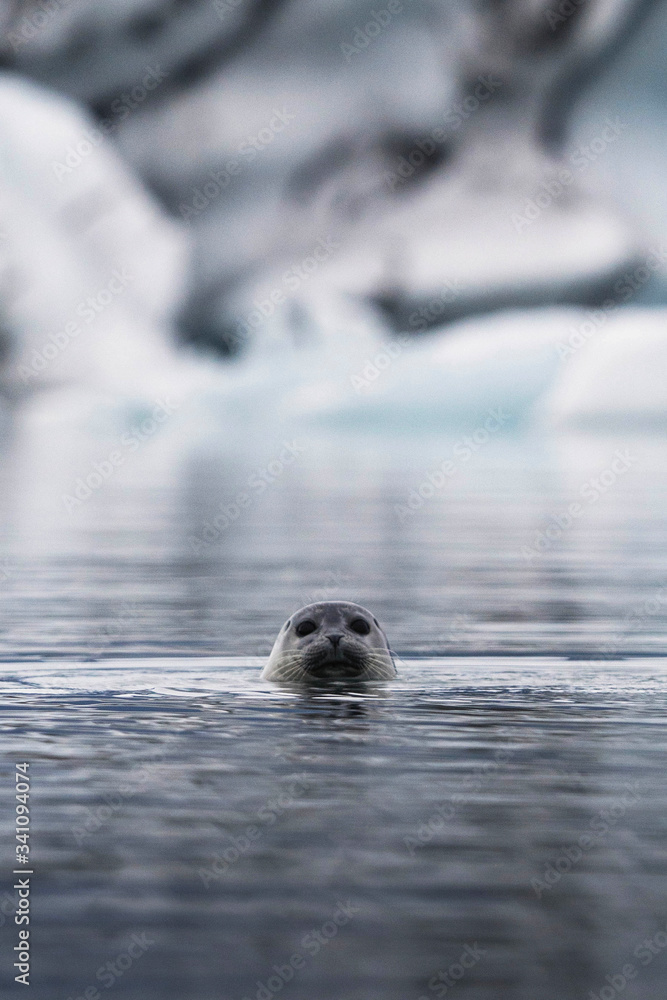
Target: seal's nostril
(334, 637)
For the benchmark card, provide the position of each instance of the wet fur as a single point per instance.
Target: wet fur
(313, 657)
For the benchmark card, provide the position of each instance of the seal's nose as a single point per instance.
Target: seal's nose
(334, 638)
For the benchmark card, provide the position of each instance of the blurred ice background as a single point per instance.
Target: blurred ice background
(273, 178)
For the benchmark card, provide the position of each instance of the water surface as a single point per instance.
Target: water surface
(498, 811)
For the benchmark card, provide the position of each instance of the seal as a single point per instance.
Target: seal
(332, 640)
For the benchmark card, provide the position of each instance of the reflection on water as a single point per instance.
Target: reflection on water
(203, 547)
(487, 826)
(510, 811)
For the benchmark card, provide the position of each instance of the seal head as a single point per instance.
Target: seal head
(333, 640)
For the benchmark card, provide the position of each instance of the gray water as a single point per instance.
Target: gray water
(496, 815)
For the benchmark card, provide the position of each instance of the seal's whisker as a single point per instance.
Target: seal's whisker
(292, 671)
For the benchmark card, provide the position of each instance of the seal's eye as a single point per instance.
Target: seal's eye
(305, 628)
(360, 626)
